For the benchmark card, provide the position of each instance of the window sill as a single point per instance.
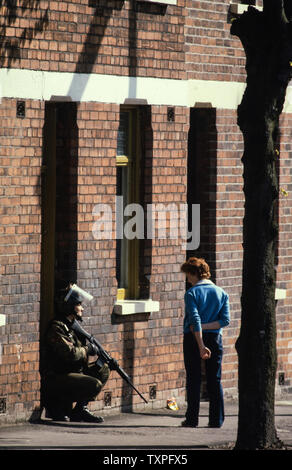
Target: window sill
(239, 8)
(129, 307)
(280, 294)
(2, 319)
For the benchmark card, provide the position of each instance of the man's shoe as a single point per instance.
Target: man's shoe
(214, 425)
(188, 424)
(85, 416)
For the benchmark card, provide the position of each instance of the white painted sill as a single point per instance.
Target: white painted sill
(162, 2)
(238, 8)
(280, 294)
(129, 307)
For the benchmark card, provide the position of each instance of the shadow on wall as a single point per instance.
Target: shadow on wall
(11, 46)
(201, 189)
(89, 54)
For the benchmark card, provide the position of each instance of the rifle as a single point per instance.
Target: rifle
(104, 356)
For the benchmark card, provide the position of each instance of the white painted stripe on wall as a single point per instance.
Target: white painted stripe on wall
(41, 85)
(222, 95)
(31, 84)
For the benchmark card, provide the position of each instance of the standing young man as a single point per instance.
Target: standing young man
(206, 313)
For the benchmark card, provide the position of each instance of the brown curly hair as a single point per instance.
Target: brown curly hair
(197, 266)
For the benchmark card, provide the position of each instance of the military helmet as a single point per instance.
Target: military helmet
(74, 299)
(68, 298)
(76, 295)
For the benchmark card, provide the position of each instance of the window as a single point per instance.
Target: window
(128, 165)
(134, 189)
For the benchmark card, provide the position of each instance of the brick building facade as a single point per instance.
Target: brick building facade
(94, 92)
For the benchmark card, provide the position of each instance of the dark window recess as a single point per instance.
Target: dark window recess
(152, 392)
(107, 399)
(2, 405)
(20, 109)
(170, 114)
(281, 378)
(123, 134)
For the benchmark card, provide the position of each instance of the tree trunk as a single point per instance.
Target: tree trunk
(266, 39)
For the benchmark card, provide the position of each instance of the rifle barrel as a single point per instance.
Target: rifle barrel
(78, 328)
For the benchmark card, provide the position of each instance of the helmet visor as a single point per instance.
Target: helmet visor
(77, 293)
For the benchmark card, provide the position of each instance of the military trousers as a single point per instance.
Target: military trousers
(63, 389)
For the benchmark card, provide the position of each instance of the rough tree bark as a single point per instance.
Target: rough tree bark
(267, 40)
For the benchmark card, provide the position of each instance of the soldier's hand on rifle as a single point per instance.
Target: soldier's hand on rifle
(92, 350)
(113, 364)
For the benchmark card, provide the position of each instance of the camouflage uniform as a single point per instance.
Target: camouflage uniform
(66, 375)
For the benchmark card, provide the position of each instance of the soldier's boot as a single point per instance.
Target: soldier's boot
(81, 413)
(58, 411)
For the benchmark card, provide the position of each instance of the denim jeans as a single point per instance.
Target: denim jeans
(192, 361)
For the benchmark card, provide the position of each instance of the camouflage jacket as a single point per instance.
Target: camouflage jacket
(63, 351)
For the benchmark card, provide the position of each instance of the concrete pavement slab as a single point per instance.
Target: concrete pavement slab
(125, 433)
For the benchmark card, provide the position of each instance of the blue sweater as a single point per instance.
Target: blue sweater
(204, 303)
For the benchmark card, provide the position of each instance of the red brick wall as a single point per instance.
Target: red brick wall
(211, 52)
(20, 159)
(167, 283)
(74, 36)
(229, 214)
(284, 267)
(112, 37)
(97, 124)
(225, 189)
(127, 339)
(215, 150)
(105, 37)
(148, 347)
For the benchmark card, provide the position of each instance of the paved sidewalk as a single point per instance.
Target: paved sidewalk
(151, 429)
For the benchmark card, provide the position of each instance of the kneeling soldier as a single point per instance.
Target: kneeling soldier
(71, 372)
